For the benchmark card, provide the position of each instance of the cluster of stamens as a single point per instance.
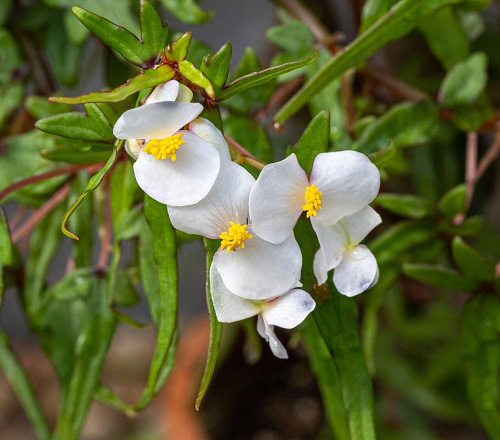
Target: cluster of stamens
(164, 148)
(234, 237)
(313, 200)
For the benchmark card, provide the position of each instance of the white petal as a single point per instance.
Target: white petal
(356, 272)
(185, 94)
(261, 328)
(183, 182)
(276, 346)
(277, 198)
(348, 182)
(289, 310)
(261, 270)
(229, 307)
(332, 240)
(227, 201)
(321, 268)
(358, 225)
(133, 147)
(210, 133)
(157, 120)
(164, 92)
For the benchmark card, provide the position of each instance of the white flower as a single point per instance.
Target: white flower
(250, 266)
(355, 267)
(286, 311)
(341, 183)
(175, 167)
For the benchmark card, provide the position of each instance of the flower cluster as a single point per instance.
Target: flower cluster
(257, 268)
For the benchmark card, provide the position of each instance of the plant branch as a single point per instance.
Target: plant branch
(490, 155)
(470, 166)
(240, 155)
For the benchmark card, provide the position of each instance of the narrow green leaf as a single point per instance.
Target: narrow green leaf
(465, 82)
(470, 262)
(261, 77)
(165, 256)
(216, 67)
(481, 339)
(395, 23)
(187, 11)
(314, 140)
(453, 202)
(39, 107)
(405, 205)
(440, 277)
(178, 50)
(94, 182)
(196, 76)
(405, 124)
(14, 372)
(104, 395)
(71, 155)
(143, 53)
(211, 247)
(146, 79)
(6, 250)
(373, 10)
(383, 157)
(92, 127)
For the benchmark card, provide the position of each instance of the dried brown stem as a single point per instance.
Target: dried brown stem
(40, 213)
(240, 155)
(238, 147)
(72, 169)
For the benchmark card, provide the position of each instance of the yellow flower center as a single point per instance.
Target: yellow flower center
(166, 147)
(313, 200)
(234, 237)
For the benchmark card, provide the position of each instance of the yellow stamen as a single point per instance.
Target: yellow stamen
(164, 148)
(313, 200)
(234, 237)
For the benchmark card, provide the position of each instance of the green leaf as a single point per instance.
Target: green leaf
(193, 74)
(146, 79)
(39, 107)
(395, 23)
(123, 190)
(5, 8)
(405, 205)
(314, 140)
(12, 94)
(470, 227)
(405, 124)
(328, 379)
(439, 277)
(453, 202)
(470, 262)
(187, 11)
(211, 247)
(144, 52)
(10, 58)
(93, 183)
(449, 47)
(464, 83)
(19, 381)
(178, 50)
(481, 336)
(72, 155)
(93, 126)
(257, 78)
(6, 250)
(165, 257)
(383, 157)
(216, 67)
(293, 36)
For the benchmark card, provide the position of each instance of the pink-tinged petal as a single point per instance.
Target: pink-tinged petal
(261, 270)
(210, 133)
(184, 181)
(332, 240)
(348, 182)
(358, 225)
(277, 198)
(226, 202)
(229, 307)
(356, 272)
(164, 92)
(288, 310)
(158, 120)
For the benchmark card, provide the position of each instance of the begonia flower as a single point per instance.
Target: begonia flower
(355, 267)
(286, 311)
(341, 183)
(250, 266)
(174, 166)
